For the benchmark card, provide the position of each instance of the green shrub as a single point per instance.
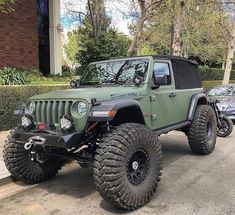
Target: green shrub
(209, 74)
(12, 96)
(11, 76)
(50, 80)
(210, 84)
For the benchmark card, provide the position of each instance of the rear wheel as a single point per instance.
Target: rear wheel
(202, 131)
(19, 163)
(127, 166)
(226, 127)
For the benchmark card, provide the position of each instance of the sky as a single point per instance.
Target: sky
(116, 10)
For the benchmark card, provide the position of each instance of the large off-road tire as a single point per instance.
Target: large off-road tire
(226, 128)
(202, 131)
(86, 165)
(21, 167)
(127, 166)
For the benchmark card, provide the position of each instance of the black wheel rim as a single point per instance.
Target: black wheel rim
(209, 130)
(224, 127)
(138, 166)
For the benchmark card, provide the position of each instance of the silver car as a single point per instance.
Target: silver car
(225, 94)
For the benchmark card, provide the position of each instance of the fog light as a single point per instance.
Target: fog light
(66, 123)
(26, 122)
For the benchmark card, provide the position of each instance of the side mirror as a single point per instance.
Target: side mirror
(160, 80)
(74, 83)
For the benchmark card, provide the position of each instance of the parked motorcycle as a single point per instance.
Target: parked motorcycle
(224, 124)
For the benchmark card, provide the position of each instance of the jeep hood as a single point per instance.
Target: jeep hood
(100, 93)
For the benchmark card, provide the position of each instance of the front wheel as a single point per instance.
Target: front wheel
(226, 127)
(127, 166)
(21, 166)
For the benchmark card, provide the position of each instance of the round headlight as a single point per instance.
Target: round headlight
(82, 108)
(31, 107)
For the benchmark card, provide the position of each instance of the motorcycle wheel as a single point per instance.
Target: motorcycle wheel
(226, 127)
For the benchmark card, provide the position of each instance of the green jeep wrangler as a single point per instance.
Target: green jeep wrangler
(111, 121)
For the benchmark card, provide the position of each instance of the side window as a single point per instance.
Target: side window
(161, 69)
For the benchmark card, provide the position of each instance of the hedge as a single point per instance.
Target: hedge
(209, 74)
(12, 96)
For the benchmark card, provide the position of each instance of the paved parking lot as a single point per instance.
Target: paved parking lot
(190, 185)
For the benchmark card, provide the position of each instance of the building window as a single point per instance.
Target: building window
(43, 36)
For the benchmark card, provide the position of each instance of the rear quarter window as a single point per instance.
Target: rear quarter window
(186, 74)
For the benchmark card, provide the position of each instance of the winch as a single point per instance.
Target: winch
(35, 140)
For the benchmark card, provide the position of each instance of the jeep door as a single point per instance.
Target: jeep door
(163, 99)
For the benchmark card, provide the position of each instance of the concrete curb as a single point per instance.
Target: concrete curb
(6, 180)
(3, 170)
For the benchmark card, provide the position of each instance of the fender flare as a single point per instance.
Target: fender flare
(111, 106)
(201, 97)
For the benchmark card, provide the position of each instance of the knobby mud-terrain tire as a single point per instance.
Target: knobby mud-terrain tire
(127, 166)
(86, 165)
(21, 167)
(229, 127)
(202, 131)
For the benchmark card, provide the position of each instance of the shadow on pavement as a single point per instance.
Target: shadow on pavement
(76, 182)
(111, 209)
(174, 148)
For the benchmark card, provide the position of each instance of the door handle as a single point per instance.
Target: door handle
(172, 95)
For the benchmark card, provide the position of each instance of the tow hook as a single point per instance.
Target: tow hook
(36, 140)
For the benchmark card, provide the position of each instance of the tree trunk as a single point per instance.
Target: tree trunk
(139, 49)
(172, 27)
(97, 16)
(139, 29)
(176, 47)
(223, 65)
(229, 62)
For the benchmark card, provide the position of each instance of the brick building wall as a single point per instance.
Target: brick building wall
(19, 36)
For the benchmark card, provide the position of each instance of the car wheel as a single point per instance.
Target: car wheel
(20, 165)
(127, 166)
(202, 131)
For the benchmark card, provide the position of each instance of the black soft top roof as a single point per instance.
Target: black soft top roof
(172, 57)
(163, 57)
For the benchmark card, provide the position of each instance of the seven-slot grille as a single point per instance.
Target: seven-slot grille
(50, 112)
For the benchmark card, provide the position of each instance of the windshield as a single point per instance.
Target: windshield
(222, 91)
(117, 72)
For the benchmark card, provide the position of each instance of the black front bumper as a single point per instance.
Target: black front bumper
(53, 139)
